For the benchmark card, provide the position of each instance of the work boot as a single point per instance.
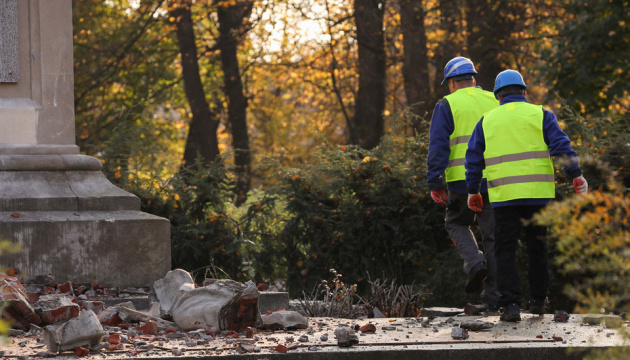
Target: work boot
(537, 306)
(511, 313)
(475, 280)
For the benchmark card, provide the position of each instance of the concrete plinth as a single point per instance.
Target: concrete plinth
(114, 248)
(68, 219)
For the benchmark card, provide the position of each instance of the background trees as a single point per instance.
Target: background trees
(256, 88)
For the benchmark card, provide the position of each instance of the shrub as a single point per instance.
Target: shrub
(360, 212)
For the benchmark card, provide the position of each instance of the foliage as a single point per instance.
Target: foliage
(594, 247)
(371, 204)
(593, 243)
(588, 63)
(338, 300)
(395, 300)
(6, 247)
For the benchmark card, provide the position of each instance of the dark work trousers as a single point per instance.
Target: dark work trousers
(459, 219)
(509, 223)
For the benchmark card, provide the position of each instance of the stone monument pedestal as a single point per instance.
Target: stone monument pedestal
(55, 203)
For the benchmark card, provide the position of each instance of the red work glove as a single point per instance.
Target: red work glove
(580, 185)
(439, 196)
(475, 203)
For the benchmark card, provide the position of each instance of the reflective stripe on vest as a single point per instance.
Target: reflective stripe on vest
(517, 158)
(467, 106)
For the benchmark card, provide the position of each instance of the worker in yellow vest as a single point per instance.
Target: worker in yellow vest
(513, 144)
(452, 123)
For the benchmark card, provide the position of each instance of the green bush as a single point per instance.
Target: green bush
(360, 212)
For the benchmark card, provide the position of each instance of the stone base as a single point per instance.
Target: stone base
(71, 222)
(114, 248)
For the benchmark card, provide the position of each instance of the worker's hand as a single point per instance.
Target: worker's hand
(580, 185)
(439, 196)
(475, 203)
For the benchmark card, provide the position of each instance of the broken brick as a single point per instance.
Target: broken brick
(19, 312)
(368, 329)
(109, 317)
(149, 328)
(281, 349)
(114, 339)
(56, 308)
(81, 351)
(65, 287)
(262, 287)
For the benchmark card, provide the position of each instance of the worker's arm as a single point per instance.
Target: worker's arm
(560, 145)
(442, 126)
(475, 162)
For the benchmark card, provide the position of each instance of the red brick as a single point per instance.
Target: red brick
(150, 328)
(114, 339)
(111, 347)
(262, 287)
(281, 349)
(81, 351)
(65, 287)
(368, 329)
(109, 317)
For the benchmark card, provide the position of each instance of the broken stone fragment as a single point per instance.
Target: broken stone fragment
(560, 316)
(19, 311)
(84, 330)
(458, 333)
(346, 337)
(284, 319)
(471, 309)
(170, 287)
(56, 308)
(109, 317)
(476, 325)
(96, 306)
(223, 305)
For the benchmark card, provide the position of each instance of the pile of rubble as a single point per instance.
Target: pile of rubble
(68, 317)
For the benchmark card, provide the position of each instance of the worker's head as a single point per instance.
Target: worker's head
(458, 73)
(509, 82)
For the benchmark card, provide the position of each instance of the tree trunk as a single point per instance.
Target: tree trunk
(231, 19)
(484, 40)
(450, 47)
(370, 102)
(202, 134)
(415, 62)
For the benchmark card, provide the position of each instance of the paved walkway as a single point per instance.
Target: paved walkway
(535, 337)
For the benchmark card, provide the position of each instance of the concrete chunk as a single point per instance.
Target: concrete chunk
(171, 286)
(284, 320)
(223, 305)
(56, 308)
(346, 337)
(84, 330)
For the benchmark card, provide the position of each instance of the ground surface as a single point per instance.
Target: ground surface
(392, 335)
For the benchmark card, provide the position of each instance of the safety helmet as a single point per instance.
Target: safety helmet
(458, 66)
(506, 78)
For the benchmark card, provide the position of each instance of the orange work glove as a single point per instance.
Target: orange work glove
(439, 196)
(580, 185)
(475, 203)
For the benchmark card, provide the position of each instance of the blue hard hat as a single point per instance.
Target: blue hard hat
(506, 78)
(458, 66)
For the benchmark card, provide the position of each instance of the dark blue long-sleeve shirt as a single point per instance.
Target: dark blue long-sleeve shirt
(442, 126)
(557, 140)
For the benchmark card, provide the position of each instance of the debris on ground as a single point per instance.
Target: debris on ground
(226, 320)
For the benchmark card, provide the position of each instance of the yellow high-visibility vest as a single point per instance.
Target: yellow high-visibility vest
(468, 106)
(517, 159)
